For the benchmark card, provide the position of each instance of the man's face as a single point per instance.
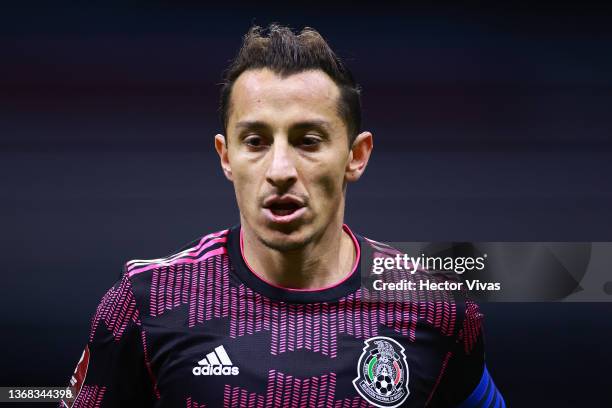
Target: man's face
(286, 153)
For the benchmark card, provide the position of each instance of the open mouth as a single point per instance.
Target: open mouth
(281, 209)
(284, 209)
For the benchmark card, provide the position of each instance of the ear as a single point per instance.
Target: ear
(359, 156)
(221, 148)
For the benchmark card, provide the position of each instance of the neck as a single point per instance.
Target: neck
(323, 262)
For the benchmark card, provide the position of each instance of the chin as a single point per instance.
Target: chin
(284, 242)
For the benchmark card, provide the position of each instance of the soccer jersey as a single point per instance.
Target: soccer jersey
(200, 328)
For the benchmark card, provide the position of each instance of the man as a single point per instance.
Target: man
(272, 312)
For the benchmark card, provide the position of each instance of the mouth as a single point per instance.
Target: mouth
(283, 209)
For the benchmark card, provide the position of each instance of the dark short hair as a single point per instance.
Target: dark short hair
(287, 53)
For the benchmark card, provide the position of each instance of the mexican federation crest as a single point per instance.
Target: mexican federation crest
(382, 373)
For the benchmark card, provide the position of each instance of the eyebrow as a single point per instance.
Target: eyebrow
(251, 124)
(305, 124)
(313, 124)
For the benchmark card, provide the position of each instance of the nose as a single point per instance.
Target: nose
(281, 172)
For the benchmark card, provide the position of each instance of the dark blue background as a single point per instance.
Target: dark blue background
(489, 125)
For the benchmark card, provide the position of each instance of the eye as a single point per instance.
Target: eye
(254, 141)
(311, 140)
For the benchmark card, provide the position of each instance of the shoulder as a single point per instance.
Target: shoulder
(153, 285)
(198, 250)
(435, 298)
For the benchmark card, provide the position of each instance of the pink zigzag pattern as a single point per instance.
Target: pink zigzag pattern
(472, 326)
(204, 287)
(189, 403)
(315, 326)
(116, 310)
(197, 285)
(89, 397)
(287, 391)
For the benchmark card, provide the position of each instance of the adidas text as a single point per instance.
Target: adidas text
(215, 370)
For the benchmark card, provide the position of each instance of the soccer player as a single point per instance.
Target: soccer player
(276, 311)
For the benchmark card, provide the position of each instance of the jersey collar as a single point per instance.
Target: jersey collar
(327, 294)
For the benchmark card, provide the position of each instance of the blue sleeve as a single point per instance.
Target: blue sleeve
(485, 395)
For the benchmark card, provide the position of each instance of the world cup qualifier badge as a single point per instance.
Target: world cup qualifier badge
(382, 373)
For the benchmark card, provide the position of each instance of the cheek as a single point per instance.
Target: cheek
(329, 187)
(244, 187)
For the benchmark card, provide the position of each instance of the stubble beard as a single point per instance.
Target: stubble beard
(282, 245)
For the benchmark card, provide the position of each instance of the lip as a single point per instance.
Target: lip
(284, 219)
(285, 199)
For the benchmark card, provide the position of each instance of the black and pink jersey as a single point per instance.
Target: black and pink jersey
(200, 329)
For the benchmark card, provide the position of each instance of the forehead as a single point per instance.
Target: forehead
(264, 95)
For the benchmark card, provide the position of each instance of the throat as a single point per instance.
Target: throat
(312, 268)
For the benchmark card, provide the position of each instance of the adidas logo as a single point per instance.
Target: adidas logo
(216, 362)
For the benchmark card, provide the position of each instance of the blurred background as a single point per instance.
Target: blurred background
(489, 125)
